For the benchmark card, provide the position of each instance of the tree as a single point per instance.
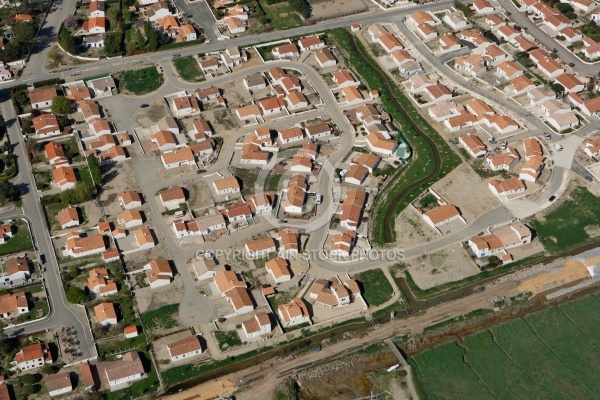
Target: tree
(151, 35)
(112, 43)
(75, 295)
(71, 22)
(9, 192)
(28, 379)
(301, 6)
(558, 88)
(114, 15)
(79, 194)
(61, 105)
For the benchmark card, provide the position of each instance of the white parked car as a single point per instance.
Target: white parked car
(558, 147)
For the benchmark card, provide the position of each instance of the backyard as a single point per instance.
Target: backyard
(549, 354)
(21, 240)
(140, 81)
(188, 69)
(227, 340)
(376, 289)
(571, 223)
(161, 318)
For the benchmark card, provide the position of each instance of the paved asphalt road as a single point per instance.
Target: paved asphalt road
(61, 312)
(38, 73)
(199, 11)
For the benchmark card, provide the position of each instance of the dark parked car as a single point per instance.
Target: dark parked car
(176, 55)
(552, 198)
(144, 106)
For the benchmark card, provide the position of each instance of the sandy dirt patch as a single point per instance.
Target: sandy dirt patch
(322, 9)
(451, 264)
(152, 114)
(200, 196)
(465, 189)
(151, 299)
(411, 231)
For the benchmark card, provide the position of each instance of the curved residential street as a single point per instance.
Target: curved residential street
(565, 55)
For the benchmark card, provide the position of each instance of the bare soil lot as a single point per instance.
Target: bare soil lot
(467, 191)
(200, 196)
(444, 266)
(323, 9)
(150, 299)
(152, 114)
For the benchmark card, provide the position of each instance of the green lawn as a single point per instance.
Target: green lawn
(273, 181)
(109, 347)
(86, 176)
(162, 318)
(568, 225)
(21, 240)
(39, 310)
(140, 81)
(282, 15)
(188, 69)
(248, 178)
(227, 340)
(376, 287)
(72, 150)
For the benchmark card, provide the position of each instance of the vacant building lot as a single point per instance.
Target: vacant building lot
(322, 9)
(572, 223)
(449, 265)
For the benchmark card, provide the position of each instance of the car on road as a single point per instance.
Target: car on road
(589, 178)
(144, 105)
(42, 259)
(282, 221)
(552, 198)
(547, 135)
(176, 55)
(558, 146)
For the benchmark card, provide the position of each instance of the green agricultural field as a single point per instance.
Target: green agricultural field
(375, 287)
(568, 225)
(494, 368)
(188, 69)
(140, 81)
(528, 351)
(552, 354)
(583, 358)
(443, 375)
(578, 313)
